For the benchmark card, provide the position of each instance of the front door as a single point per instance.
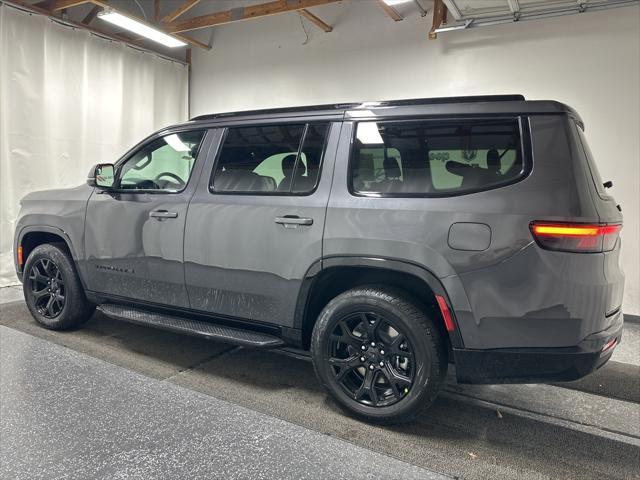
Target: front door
(134, 234)
(255, 225)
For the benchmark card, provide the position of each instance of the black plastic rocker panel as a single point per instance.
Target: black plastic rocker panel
(192, 327)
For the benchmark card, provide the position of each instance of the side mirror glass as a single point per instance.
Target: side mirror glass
(104, 175)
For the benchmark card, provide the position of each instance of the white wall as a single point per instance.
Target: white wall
(590, 61)
(69, 100)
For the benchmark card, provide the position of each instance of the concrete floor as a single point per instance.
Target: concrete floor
(585, 429)
(103, 421)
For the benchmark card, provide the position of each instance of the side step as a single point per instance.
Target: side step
(245, 338)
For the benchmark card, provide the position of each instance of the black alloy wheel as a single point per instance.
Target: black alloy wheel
(47, 286)
(371, 358)
(52, 288)
(379, 354)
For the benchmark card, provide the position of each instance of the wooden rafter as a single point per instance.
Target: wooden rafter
(91, 16)
(315, 20)
(390, 11)
(62, 4)
(191, 41)
(244, 13)
(182, 9)
(439, 17)
(156, 10)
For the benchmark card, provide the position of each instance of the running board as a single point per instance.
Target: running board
(211, 331)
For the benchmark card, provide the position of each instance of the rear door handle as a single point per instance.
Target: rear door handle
(160, 214)
(294, 220)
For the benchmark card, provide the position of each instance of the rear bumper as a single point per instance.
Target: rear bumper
(536, 365)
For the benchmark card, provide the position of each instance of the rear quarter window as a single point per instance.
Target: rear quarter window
(595, 174)
(435, 158)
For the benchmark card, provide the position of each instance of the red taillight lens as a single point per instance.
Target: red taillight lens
(576, 237)
(608, 346)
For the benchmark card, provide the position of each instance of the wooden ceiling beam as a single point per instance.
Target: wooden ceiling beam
(315, 20)
(156, 11)
(439, 18)
(191, 41)
(244, 13)
(390, 11)
(91, 16)
(182, 9)
(62, 4)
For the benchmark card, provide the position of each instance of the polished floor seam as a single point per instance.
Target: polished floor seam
(547, 418)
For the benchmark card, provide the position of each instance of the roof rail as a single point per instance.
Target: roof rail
(355, 105)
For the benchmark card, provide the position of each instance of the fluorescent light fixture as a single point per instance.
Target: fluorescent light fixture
(391, 3)
(368, 133)
(174, 142)
(141, 29)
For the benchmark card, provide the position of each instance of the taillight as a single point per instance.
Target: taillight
(576, 237)
(608, 346)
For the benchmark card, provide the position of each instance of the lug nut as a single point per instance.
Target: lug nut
(381, 352)
(362, 359)
(373, 344)
(363, 347)
(382, 364)
(371, 367)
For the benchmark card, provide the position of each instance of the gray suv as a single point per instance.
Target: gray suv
(384, 240)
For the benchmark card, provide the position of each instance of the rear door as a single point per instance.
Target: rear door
(255, 225)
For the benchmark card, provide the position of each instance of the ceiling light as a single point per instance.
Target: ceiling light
(140, 28)
(369, 134)
(175, 143)
(396, 2)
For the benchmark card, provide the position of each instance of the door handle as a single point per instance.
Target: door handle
(160, 214)
(294, 220)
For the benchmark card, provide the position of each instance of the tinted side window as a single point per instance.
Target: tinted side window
(165, 164)
(435, 158)
(270, 159)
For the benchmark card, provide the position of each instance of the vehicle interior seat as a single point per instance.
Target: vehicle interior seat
(363, 175)
(493, 162)
(392, 172)
(288, 164)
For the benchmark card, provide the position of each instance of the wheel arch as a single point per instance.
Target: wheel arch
(33, 236)
(331, 276)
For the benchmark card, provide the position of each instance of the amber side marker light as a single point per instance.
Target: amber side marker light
(20, 259)
(576, 237)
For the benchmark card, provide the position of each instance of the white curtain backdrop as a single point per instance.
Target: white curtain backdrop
(69, 100)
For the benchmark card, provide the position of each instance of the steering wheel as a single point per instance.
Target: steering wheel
(181, 183)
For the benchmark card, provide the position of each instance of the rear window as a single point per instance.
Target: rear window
(435, 158)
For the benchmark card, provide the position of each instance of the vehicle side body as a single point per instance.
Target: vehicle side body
(521, 313)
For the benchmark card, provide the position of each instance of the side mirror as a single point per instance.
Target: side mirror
(102, 176)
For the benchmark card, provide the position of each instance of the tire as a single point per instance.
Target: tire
(374, 391)
(63, 307)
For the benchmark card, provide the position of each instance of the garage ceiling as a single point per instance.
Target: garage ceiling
(180, 18)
